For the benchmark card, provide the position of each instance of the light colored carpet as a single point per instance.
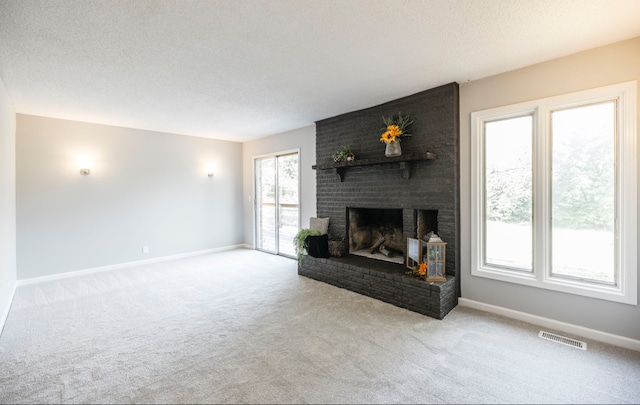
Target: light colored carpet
(243, 327)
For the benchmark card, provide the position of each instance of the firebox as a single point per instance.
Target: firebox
(376, 233)
(380, 233)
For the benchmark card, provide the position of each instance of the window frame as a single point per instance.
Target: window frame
(625, 252)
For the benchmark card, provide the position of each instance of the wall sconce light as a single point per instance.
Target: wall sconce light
(210, 170)
(84, 163)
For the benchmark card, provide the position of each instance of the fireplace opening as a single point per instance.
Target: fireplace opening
(376, 233)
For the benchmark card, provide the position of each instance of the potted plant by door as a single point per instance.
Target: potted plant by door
(300, 241)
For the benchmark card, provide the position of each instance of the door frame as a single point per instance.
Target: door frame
(255, 193)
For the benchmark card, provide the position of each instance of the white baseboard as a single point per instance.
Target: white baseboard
(76, 273)
(7, 308)
(577, 330)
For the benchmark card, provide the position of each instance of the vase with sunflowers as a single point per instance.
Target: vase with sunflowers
(395, 128)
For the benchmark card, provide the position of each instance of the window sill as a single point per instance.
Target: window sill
(575, 287)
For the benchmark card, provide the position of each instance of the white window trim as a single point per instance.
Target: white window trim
(625, 290)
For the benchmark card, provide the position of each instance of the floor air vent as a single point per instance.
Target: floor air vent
(562, 339)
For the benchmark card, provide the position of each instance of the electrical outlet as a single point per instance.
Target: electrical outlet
(145, 249)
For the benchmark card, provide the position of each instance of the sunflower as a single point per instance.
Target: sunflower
(395, 128)
(422, 269)
(387, 137)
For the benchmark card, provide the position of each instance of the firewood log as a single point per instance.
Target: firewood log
(393, 245)
(376, 245)
(384, 251)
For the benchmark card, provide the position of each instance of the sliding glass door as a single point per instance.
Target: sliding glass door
(277, 199)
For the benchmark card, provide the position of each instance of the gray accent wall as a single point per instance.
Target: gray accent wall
(7, 203)
(303, 139)
(433, 184)
(145, 189)
(598, 67)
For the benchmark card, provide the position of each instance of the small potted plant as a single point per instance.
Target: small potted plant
(300, 241)
(344, 153)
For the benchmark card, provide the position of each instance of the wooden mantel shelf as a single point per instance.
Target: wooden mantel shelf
(403, 161)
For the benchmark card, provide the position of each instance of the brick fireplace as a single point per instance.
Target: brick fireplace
(409, 195)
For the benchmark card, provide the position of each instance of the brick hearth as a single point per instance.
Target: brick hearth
(383, 281)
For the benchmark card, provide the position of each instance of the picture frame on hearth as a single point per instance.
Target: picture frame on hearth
(414, 252)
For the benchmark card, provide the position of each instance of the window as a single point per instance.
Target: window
(554, 190)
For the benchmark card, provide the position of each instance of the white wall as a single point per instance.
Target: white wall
(302, 138)
(145, 188)
(7, 203)
(611, 64)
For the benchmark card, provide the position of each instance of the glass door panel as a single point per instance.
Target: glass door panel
(266, 204)
(277, 203)
(287, 203)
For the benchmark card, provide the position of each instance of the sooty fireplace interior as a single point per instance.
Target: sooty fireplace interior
(378, 233)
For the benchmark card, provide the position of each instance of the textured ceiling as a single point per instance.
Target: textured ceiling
(240, 70)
